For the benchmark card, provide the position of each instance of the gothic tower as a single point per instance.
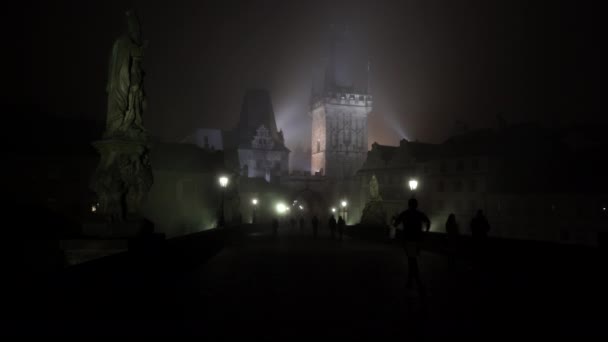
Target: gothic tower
(339, 111)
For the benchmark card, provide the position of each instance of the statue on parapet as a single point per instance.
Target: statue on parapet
(373, 212)
(126, 97)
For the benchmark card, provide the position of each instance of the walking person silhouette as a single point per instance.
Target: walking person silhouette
(341, 225)
(413, 220)
(315, 226)
(479, 235)
(332, 226)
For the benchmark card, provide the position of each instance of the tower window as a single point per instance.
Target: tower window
(318, 146)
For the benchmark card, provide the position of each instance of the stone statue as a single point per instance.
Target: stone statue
(373, 188)
(124, 175)
(373, 212)
(126, 98)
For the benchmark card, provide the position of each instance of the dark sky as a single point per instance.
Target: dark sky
(434, 62)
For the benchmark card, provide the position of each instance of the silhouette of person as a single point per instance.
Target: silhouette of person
(451, 229)
(412, 221)
(332, 226)
(479, 234)
(275, 227)
(451, 226)
(315, 226)
(301, 223)
(341, 225)
(479, 226)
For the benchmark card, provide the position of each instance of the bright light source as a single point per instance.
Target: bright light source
(604, 208)
(333, 210)
(281, 208)
(254, 201)
(94, 208)
(301, 207)
(344, 204)
(223, 181)
(413, 184)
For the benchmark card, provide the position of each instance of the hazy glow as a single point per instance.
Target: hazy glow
(254, 201)
(413, 184)
(94, 208)
(223, 181)
(301, 207)
(344, 204)
(333, 210)
(281, 208)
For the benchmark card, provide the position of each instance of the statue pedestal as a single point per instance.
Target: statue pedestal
(121, 181)
(374, 214)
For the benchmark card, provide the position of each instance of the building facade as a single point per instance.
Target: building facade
(527, 179)
(339, 111)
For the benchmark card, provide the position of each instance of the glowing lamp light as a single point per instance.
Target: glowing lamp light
(413, 184)
(94, 208)
(333, 210)
(281, 208)
(223, 181)
(254, 201)
(344, 204)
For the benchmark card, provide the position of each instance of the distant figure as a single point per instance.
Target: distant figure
(341, 225)
(479, 226)
(301, 223)
(451, 229)
(479, 234)
(275, 227)
(392, 229)
(413, 220)
(332, 226)
(451, 226)
(315, 226)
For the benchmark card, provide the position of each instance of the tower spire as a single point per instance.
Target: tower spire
(369, 77)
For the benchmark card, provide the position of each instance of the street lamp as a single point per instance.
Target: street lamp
(281, 208)
(255, 206)
(413, 184)
(223, 180)
(333, 210)
(344, 204)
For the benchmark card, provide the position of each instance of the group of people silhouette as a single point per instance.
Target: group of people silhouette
(336, 227)
(415, 223)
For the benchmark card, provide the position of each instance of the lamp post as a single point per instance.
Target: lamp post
(413, 184)
(344, 204)
(223, 184)
(255, 206)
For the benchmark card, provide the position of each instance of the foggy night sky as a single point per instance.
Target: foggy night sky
(433, 62)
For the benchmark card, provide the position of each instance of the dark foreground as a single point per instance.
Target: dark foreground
(247, 284)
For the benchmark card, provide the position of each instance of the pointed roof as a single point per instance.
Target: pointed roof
(257, 111)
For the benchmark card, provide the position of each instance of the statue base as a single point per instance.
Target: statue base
(121, 181)
(374, 214)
